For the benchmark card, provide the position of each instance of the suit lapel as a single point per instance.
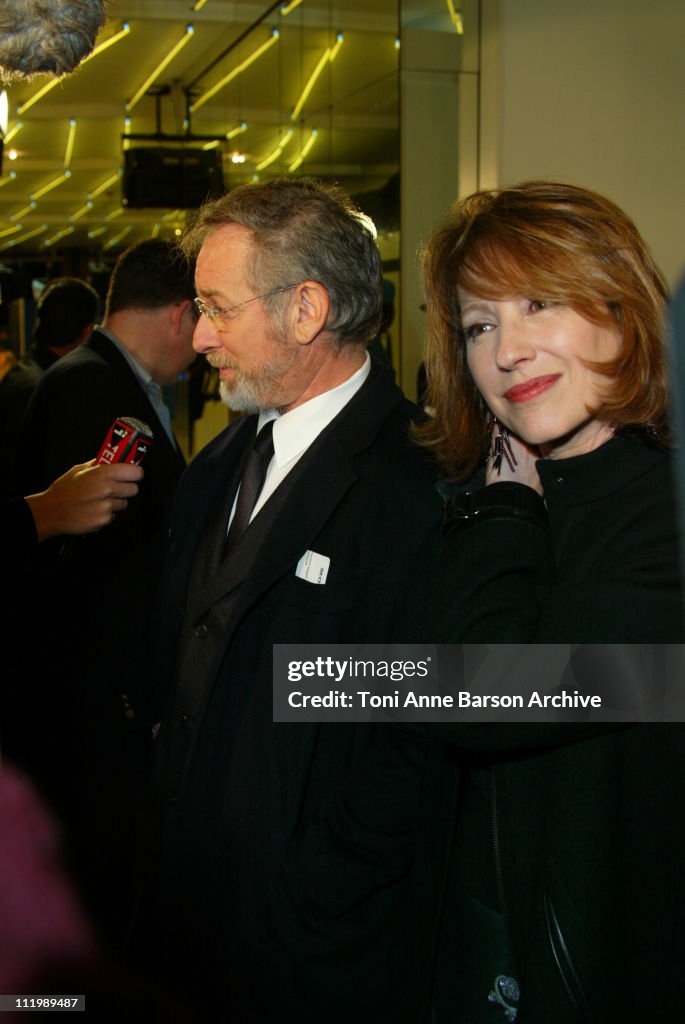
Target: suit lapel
(311, 491)
(319, 482)
(273, 544)
(202, 506)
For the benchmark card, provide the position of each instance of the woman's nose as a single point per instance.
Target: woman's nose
(514, 345)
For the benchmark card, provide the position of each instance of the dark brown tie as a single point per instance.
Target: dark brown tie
(251, 482)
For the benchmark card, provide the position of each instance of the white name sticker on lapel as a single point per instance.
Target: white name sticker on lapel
(313, 567)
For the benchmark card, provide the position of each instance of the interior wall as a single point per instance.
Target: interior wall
(438, 145)
(591, 92)
(429, 104)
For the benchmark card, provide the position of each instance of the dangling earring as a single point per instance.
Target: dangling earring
(501, 448)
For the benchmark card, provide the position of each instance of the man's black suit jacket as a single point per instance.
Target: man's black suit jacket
(233, 787)
(69, 416)
(92, 595)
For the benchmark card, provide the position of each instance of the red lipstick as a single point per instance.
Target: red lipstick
(528, 389)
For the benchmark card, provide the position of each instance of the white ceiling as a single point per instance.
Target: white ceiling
(353, 106)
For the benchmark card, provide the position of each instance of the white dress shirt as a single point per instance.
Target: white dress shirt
(296, 430)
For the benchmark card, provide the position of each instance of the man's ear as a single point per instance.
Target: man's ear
(179, 311)
(309, 311)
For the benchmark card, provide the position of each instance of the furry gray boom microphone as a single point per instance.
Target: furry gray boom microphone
(47, 36)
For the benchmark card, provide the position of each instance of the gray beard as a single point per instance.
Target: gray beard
(243, 396)
(258, 391)
(254, 393)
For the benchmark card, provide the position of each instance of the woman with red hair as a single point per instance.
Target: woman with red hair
(548, 384)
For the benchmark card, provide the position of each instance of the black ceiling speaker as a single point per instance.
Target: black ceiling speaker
(173, 177)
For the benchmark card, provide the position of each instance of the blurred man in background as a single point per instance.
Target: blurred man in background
(66, 313)
(93, 594)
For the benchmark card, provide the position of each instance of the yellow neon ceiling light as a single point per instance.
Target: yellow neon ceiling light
(13, 131)
(327, 58)
(81, 212)
(60, 234)
(117, 238)
(22, 213)
(104, 186)
(71, 138)
(305, 149)
(121, 34)
(456, 17)
(274, 37)
(229, 135)
(25, 237)
(277, 151)
(160, 67)
(40, 192)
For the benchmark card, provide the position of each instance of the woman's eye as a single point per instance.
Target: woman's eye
(474, 331)
(535, 305)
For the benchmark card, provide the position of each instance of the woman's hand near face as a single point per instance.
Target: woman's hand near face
(524, 458)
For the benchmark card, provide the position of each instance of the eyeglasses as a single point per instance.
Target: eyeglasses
(217, 313)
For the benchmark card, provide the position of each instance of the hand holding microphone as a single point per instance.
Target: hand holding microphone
(88, 496)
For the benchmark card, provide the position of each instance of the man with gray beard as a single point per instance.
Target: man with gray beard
(289, 285)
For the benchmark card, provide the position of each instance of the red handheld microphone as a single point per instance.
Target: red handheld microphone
(129, 440)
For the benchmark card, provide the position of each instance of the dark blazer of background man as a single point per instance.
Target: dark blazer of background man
(66, 312)
(289, 281)
(93, 594)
